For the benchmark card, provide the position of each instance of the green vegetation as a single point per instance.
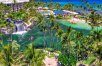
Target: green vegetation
(71, 45)
(59, 17)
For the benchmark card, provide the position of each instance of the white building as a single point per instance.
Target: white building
(12, 1)
(15, 4)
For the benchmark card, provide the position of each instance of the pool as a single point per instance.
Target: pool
(57, 12)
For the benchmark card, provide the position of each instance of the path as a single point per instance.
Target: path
(51, 61)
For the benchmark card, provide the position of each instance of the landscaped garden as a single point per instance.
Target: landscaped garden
(38, 33)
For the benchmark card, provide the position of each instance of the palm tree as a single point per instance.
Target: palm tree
(9, 54)
(41, 24)
(59, 33)
(98, 54)
(40, 19)
(66, 6)
(50, 5)
(86, 16)
(58, 6)
(79, 37)
(56, 28)
(94, 18)
(29, 54)
(3, 7)
(33, 56)
(69, 7)
(66, 39)
(97, 36)
(51, 25)
(6, 55)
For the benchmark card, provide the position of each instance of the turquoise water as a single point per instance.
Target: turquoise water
(83, 26)
(69, 0)
(80, 26)
(38, 36)
(77, 3)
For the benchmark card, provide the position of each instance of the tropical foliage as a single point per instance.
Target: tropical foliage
(76, 47)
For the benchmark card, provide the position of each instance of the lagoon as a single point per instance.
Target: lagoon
(24, 39)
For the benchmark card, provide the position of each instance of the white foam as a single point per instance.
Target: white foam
(20, 32)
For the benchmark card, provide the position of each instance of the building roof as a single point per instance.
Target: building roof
(67, 11)
(46, 12)
(12, 1)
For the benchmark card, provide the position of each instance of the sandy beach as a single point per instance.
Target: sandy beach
(76, 20)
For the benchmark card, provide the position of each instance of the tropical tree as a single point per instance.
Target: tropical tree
(4, 8)
(50, 5)
(8, 54)
(98, 54)
(94, 18)
(58, 34)
(33, 56)
(69, 7)
(79, 36)
(57, 6)
(66, 45)
(44, 30)
(56, 28)
(96, 35)
(51, 30)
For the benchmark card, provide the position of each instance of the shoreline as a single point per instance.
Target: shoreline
(76, 20)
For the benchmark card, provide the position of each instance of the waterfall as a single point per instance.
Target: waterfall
(19, 27)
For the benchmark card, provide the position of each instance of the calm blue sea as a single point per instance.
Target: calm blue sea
(71, 0)
(80, 3)
(75, 2)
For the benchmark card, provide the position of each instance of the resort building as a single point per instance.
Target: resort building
(70, 12)
(14, 4)
(46, 12)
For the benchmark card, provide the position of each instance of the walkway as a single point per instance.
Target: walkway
(51, 61)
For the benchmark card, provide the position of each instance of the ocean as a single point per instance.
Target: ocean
(75, 2)
(71, 0)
